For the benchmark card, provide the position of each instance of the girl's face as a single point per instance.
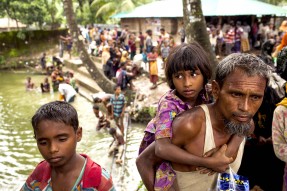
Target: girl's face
(188, 84)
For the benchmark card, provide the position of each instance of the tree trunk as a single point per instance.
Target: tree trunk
(95, 73)
(195, 27)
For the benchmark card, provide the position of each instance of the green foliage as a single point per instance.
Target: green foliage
(274, 2)
(141, 187)
(2, 60)
(21, 35)
(107, 8)
(13, 52)
(31, 12)
(17, 40)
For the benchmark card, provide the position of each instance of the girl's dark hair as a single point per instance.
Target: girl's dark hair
(57, 111)
(187, 57)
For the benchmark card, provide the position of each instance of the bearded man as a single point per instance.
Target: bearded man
(238, 90)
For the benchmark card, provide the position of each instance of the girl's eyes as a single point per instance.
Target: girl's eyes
(192, 74)
(178, 76)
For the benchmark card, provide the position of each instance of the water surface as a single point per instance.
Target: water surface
(18, 150)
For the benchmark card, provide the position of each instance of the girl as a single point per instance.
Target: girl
(187, 71)
(153, 69)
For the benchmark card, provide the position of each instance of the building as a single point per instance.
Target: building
(7, 24)
(168, 14)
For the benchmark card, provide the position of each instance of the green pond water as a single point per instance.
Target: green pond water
(18, 150)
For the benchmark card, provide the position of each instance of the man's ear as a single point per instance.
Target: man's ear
(215, 89)
(79, 134)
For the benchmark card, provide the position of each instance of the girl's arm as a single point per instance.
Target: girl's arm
(166, 150)
(146, 163)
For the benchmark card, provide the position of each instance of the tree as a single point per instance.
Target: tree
(195, 27)
(29, 11)
(96, 74)
(52, 7)
(274, 2)
(107, 8)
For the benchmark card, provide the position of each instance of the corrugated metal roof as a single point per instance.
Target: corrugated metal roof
(173, 8)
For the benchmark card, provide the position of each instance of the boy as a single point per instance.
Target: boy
(164, 53)
(103, 121)
(118, 102)
(57, 131)
(104, 98)
(117, 144)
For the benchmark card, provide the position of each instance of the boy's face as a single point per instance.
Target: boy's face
(118, 91)
(57, 142)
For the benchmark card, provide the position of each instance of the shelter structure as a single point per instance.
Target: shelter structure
(7, 24)
(168, 14)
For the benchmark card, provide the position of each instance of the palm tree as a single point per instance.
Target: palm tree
(195, 27)
(107, 8)
(96, 74)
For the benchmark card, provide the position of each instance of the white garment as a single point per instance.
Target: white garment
(195, 181)
(67, 90)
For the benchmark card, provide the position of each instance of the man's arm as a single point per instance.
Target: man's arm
(146, 162)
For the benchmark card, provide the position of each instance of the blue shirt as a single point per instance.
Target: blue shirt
(118, 104)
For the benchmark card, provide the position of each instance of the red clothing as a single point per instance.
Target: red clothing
(94, 178)
(230, 36)
(141, 37)
(132, 45)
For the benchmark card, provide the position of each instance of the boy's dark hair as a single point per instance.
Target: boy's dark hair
(96, 107)
(187, 57)
(112, 131)
(116, 86)
(97, 100)
(57, 111)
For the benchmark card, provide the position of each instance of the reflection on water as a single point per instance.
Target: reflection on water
(18, 149)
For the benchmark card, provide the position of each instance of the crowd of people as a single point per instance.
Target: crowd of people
(125, 54)
(202, 128)
(239, 36)
(62, 82)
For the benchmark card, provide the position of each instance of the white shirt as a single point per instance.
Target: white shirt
(67, 90)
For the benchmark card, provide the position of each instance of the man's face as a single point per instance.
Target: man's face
(238, 100)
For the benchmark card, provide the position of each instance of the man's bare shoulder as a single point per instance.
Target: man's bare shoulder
(192, 118)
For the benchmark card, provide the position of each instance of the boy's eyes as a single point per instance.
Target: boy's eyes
(63, 139)
(45, 142)
(42, 143)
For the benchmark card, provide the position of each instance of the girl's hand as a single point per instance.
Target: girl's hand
(218, 161)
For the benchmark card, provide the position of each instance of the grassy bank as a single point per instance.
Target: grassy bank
(26, 56)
